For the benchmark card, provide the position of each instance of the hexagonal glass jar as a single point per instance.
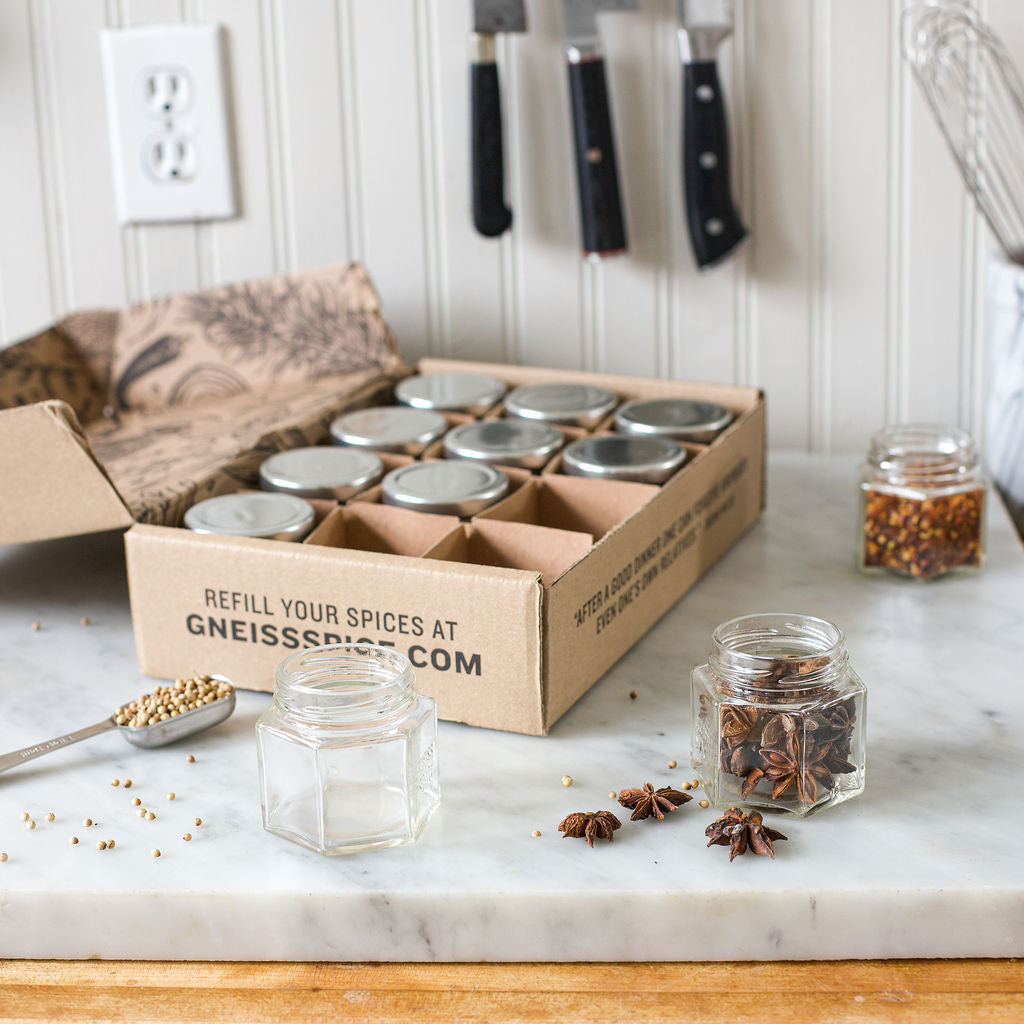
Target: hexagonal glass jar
(778, 715)
(348, 750)
(922, 507)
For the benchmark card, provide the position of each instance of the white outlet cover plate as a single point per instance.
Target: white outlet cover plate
(150, 185)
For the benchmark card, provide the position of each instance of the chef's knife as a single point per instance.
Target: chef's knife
(603, 225)
(715, 225)
(490, 214)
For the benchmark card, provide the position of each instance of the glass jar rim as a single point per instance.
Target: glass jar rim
(929, 452)
(350, 680)
(813, 652)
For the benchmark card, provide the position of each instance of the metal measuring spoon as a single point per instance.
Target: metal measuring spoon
(159, 734)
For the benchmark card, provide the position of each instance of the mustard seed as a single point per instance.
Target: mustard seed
(136, 802)
(30, 825)
(703, 803)
(170, 796)
(190, 759)
(101, 845)
(84, 620)
(87, 822)
(127, 783)
(25, 815)
(115, 782)
(50, 816)
(3, 857)
(566, 780)
(672, 764)
(150, 815)
(154, 853)
(187, 837)
(535, 832)
(73, 840)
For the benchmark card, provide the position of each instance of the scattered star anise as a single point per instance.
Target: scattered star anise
(647, 801)
(738, 831)
(590, 825)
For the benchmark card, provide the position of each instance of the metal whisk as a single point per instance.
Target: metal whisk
(975, 92)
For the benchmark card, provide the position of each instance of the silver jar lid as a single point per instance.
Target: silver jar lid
(389, 428)
(462, 392)
(582, 404)
(272, 516)
(457, 488)
(508, 442)
(649, 460)
(321, 472)
(681, 418)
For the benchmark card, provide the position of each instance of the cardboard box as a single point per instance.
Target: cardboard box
(112, 417)
(508, 617)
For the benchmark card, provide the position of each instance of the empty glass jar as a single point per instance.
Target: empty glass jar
(778, 715)
(348, 750)
(922, 503)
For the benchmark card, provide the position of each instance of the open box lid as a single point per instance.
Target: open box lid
(109, 417)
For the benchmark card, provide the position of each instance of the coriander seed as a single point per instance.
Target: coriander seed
(50, 816)
(136, 802)
(30, 825)
(535, 832)
(3, 857)
(110, 844)
(25, 815)
(566, 780)
(694, 783)
(127, 783)
(87, 822)
(703, 803)
(191, 759)
(101, 845)
(187, 837)
(154, 853)
(170, 796)
(198, 821)
(632, 694)
(672, 764)
(150, 815)
(612, 794)
(115, 782)
(73, 840)
(84, 620)
(686, 785)
(36, 627)
(141, 812)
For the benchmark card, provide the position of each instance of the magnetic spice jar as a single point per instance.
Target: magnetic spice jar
(922, 503)
(778, 715)
(348, 750)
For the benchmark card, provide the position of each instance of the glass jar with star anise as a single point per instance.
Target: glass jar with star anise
(922, 503)
(778, 715)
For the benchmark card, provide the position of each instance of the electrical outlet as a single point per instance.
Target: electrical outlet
(167, 111)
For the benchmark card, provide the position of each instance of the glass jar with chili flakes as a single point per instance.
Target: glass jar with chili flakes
(922, 503)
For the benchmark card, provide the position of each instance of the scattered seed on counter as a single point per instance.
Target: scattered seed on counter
(170, 796)
(154, 853)
(694, 783)
(127, 784)
(110, 844)
(686, 785)
(535, 833)
(101, 845)
(141, 812)
(73, 840)
(703, 803)
(198, 821)
(566, 780)
(191, 759)
(136, 802)
(30, 825)
(3, 857)
(115, 782)
(85, 620)
(187, 837)
(50, 816)
(672, 764)
(612, 794)
(36, 627)
(87, 822)
(150, 816)
(25, 815)
(632, 694)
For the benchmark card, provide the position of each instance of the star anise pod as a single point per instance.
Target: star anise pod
(803, 764)
(647, 801)
(590, 825)
(837, 722)
(740, 725)
(739, 831)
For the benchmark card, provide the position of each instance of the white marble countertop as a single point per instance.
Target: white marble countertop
(926, 863)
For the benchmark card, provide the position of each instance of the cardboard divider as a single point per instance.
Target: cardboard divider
(512, 545)
(381, 528)
(572, 503)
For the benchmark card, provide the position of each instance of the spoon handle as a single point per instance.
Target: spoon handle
(29, 753)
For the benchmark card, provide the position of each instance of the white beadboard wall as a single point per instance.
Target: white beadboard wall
(859, 299)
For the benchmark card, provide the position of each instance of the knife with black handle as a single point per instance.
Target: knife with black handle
(491, 214)
(602, 223)
(715, 225)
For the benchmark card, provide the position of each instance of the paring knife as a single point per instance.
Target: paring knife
(715, 225)
(490, 214)
(603, 225)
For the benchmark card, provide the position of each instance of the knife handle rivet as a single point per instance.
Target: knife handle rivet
(705, 93)
(714, 227)
(594, 155)
(708, 160)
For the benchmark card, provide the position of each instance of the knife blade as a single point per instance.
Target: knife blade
(603, 226)
(715, 225)
(491, 215)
